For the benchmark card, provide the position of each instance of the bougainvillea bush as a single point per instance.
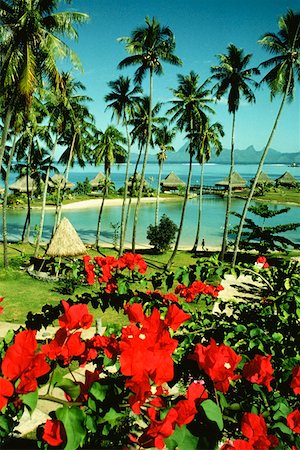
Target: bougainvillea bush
(183, 374)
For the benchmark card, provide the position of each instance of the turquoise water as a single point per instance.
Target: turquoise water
(85, 220)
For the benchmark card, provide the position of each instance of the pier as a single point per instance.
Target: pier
(216, 190)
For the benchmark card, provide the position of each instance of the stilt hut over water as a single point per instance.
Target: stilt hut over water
(172, 183)
(20, 186)
(97, 180)
(263, 180)
(238, 183)
(66, 241)
(58, 181)
(287, 180)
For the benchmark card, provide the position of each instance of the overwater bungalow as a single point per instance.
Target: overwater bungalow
(172, 183)
(287, 180)
(20, 186)
(100, 177)
(59, 181)
(263, 180)
(238, 183)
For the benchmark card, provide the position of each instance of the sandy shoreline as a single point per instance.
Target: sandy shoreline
(96, 203)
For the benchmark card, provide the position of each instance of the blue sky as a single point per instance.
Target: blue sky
(203, 29)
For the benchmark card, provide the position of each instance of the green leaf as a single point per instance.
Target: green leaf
(30, 400)
(182, 439)
(212, 412)
(282, 427)
(4, 424)
(277, 337)
(287, 284)
(123, 286)
(73, 419)
(112, 416)
(99, 391)
(69, 387)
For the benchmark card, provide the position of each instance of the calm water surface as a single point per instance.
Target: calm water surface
(85, 220)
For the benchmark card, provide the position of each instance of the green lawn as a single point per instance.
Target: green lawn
(23, 293)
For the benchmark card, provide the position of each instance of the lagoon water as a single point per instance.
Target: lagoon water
(85, 220)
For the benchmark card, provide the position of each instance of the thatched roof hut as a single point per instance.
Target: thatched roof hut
(21, 185)
(98, 179)
(59, 181)
(66, 241)
(287, 179)
(172, 182)
(263, 179)
(237, 182)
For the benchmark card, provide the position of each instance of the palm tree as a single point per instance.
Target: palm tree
(191, 100)
(281, 80)
(31, 41)
(122, 100)
(79, 131)
(163, 139)
(210, 137)
(233, 76)
(148, 46)
(109, 149)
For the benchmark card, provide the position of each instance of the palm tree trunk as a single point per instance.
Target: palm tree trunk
(194, 249)
(131, 195)
(101, 211)
(26, 229)
(40, 231)
(6, 126)
(4, 205)
(258, 172)
(158, 192)
(229, 196)
(186, 196)
(137, 208)
(122, 235)
(66, 178)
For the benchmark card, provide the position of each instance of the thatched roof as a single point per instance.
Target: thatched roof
(66, 241)
(263, 179)
(287, 179)
(172, 181)
(98, 178)
(21, 185)
(58, 180)
(237, 181)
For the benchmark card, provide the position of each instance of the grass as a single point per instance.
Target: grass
(275, 195)
(23, 293)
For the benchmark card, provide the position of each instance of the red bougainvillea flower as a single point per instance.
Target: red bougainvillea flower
(165, 298)
(259, 370)
(64, 346)
(146, 352)
(23, 361)
(254, 427)
(175, 317)
(158, 430)
(76, 316)
(238, 444)
(293, 421)
(295, 384)
(89, 269)
(1, 307)
(261, 263)
(132, 262)
(107, 264)
(218, 362)
(53, 432)
(6, 391)
(197, 288)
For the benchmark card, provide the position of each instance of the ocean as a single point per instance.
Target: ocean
(85, 220)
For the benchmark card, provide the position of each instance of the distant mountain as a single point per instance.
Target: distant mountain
(247, 156)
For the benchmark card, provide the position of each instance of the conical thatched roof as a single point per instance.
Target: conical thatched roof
(172, 180)
(263, 179)
(66, 241)
(21, 185)
(287, 179)
(98, 178)
(237, 181)
(59, 180)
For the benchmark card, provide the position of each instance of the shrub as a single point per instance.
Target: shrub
(162, 236)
